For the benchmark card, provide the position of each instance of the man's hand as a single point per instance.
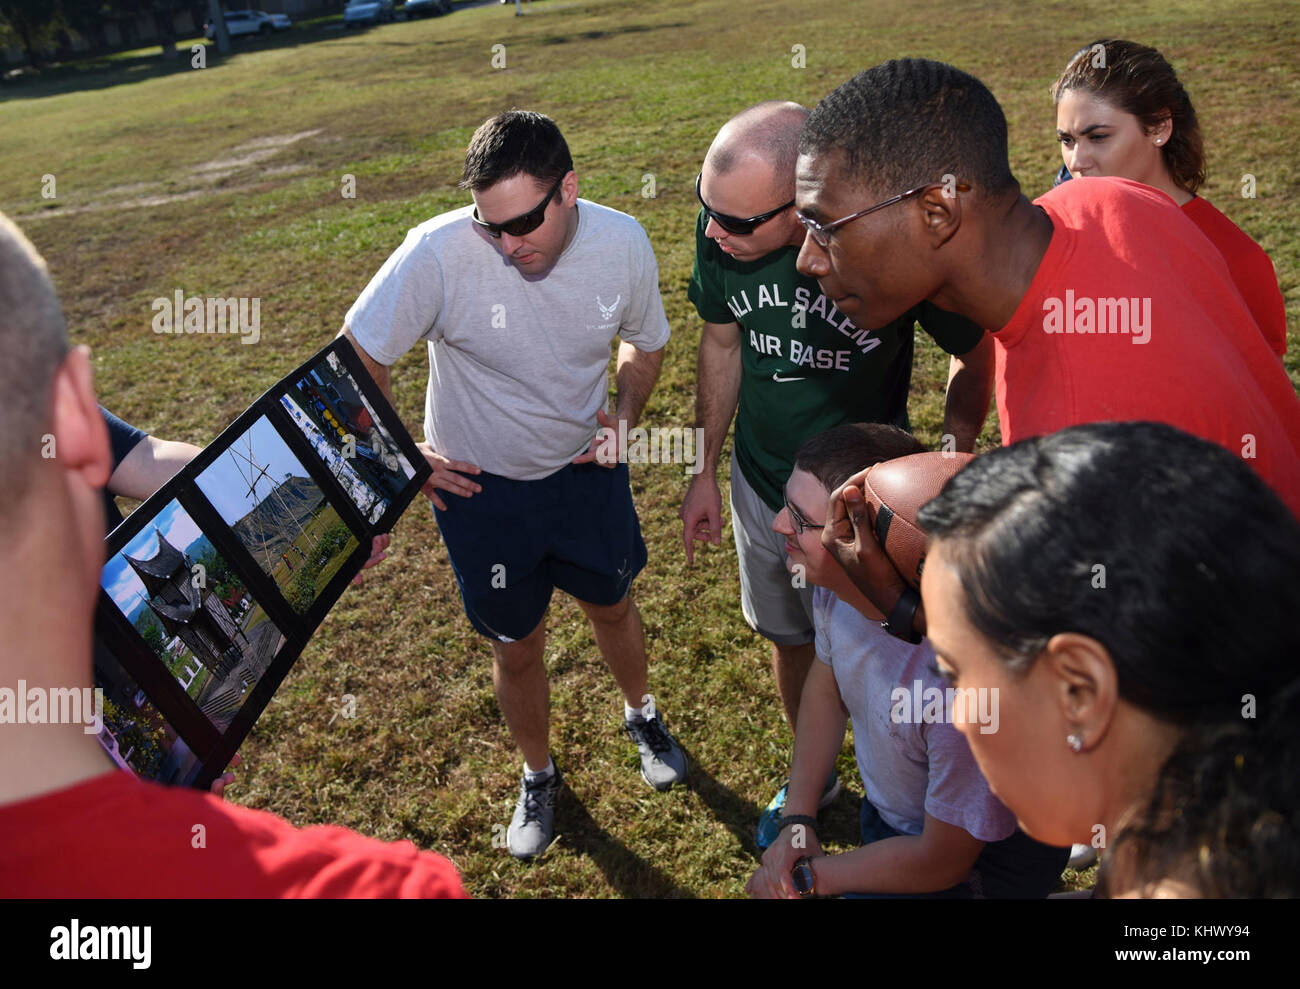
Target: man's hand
(850, 537)
(604, 448)
(219, 784)
(773, 880)
(701, 513)
(378, 552)
(448, 475)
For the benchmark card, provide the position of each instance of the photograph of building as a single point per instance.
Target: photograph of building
(192, 610)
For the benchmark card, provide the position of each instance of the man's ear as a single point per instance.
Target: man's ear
(80, 433)
(941, 213)
(1087, 687)
(569, 188)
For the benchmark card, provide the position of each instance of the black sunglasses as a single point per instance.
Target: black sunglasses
(524, 223)
(732, 224)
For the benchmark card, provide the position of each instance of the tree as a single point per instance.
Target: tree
(33, 24)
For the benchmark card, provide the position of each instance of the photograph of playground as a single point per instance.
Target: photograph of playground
(329, 407)
(279, 513)
(193, 611)
(135, 735)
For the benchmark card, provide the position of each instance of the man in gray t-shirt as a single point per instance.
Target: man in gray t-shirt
(518, 298)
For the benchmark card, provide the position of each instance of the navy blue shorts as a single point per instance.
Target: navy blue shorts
(514, 542)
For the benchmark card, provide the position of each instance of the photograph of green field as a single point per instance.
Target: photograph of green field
(291, 169)
(279, 513)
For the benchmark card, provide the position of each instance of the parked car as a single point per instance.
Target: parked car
(241, 22)
(367, 12)
(426, 8)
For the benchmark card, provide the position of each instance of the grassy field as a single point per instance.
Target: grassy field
(227, 181)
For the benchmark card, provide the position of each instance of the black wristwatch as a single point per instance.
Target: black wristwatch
(899, 622)
(805, 883)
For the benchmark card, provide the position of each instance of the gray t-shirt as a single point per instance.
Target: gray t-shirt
(518, 366)
(909, 769)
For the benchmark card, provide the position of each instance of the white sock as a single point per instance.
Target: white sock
(631, 713)
(540, 774)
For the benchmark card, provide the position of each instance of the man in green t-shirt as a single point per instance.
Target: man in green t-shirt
(775, 345)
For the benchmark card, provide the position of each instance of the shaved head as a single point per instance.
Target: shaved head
(34, 342)
(767, 132)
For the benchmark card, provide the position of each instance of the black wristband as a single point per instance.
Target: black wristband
(785, 821)
(899, 623)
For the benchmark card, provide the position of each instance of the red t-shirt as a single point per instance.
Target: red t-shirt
(1250, 267)
(116, 836)
(1204, 366)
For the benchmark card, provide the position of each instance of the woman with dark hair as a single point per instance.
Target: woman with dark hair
(1121, 112)
(1130, 592)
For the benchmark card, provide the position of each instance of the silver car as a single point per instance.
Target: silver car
(367, 12)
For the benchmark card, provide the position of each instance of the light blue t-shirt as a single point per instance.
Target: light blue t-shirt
(518, 365)
(909, 767)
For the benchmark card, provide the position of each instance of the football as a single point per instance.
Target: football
(894, 491)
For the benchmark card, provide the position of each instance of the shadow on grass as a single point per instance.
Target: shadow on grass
(106, 70)
(837, 824)
(626, 871)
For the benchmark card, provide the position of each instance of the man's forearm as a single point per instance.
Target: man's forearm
(638, 370)
(150, 464)
(717, 392)
(970, 386)
(902, 864)
(819, 733)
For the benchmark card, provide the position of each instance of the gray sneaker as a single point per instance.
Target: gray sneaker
(663, 762)
(532, 829)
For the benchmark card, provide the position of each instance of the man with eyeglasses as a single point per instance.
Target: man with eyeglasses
(518, 298)
(1104, 301)
(779, 355)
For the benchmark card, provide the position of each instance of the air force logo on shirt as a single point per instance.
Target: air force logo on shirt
(608, 311)
(608, 314)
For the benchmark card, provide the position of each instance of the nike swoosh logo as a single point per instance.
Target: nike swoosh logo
(777, 377)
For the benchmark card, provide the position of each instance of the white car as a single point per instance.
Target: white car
(242, 22)
(367, 12)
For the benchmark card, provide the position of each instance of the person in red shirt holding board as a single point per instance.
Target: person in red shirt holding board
(1121, 111)
(1104, 299)
(72, 825)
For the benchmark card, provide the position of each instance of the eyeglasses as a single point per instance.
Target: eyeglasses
(732, 224)
(800, 523)
(525, 223)
(822, 232)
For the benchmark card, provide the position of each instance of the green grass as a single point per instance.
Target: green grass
(637, 87)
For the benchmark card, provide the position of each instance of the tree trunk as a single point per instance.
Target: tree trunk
(219, 26)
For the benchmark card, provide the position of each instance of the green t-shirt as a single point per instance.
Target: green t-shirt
(800, 380)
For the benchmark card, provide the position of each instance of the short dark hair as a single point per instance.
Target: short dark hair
(841, 451)
(513, 143)
(34, 341)
(1197, 612)
(908, 122)
(1138, 80)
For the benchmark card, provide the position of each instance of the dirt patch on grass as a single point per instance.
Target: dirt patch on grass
(240, 158)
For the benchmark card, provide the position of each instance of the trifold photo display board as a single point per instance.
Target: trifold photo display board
(216, 583)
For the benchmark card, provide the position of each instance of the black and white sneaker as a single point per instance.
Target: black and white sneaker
(532, 829)
(663, 762)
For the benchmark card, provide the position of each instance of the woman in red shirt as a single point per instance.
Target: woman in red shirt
(1121, 111)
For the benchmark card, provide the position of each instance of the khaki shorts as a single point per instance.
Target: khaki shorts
(773, 606)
